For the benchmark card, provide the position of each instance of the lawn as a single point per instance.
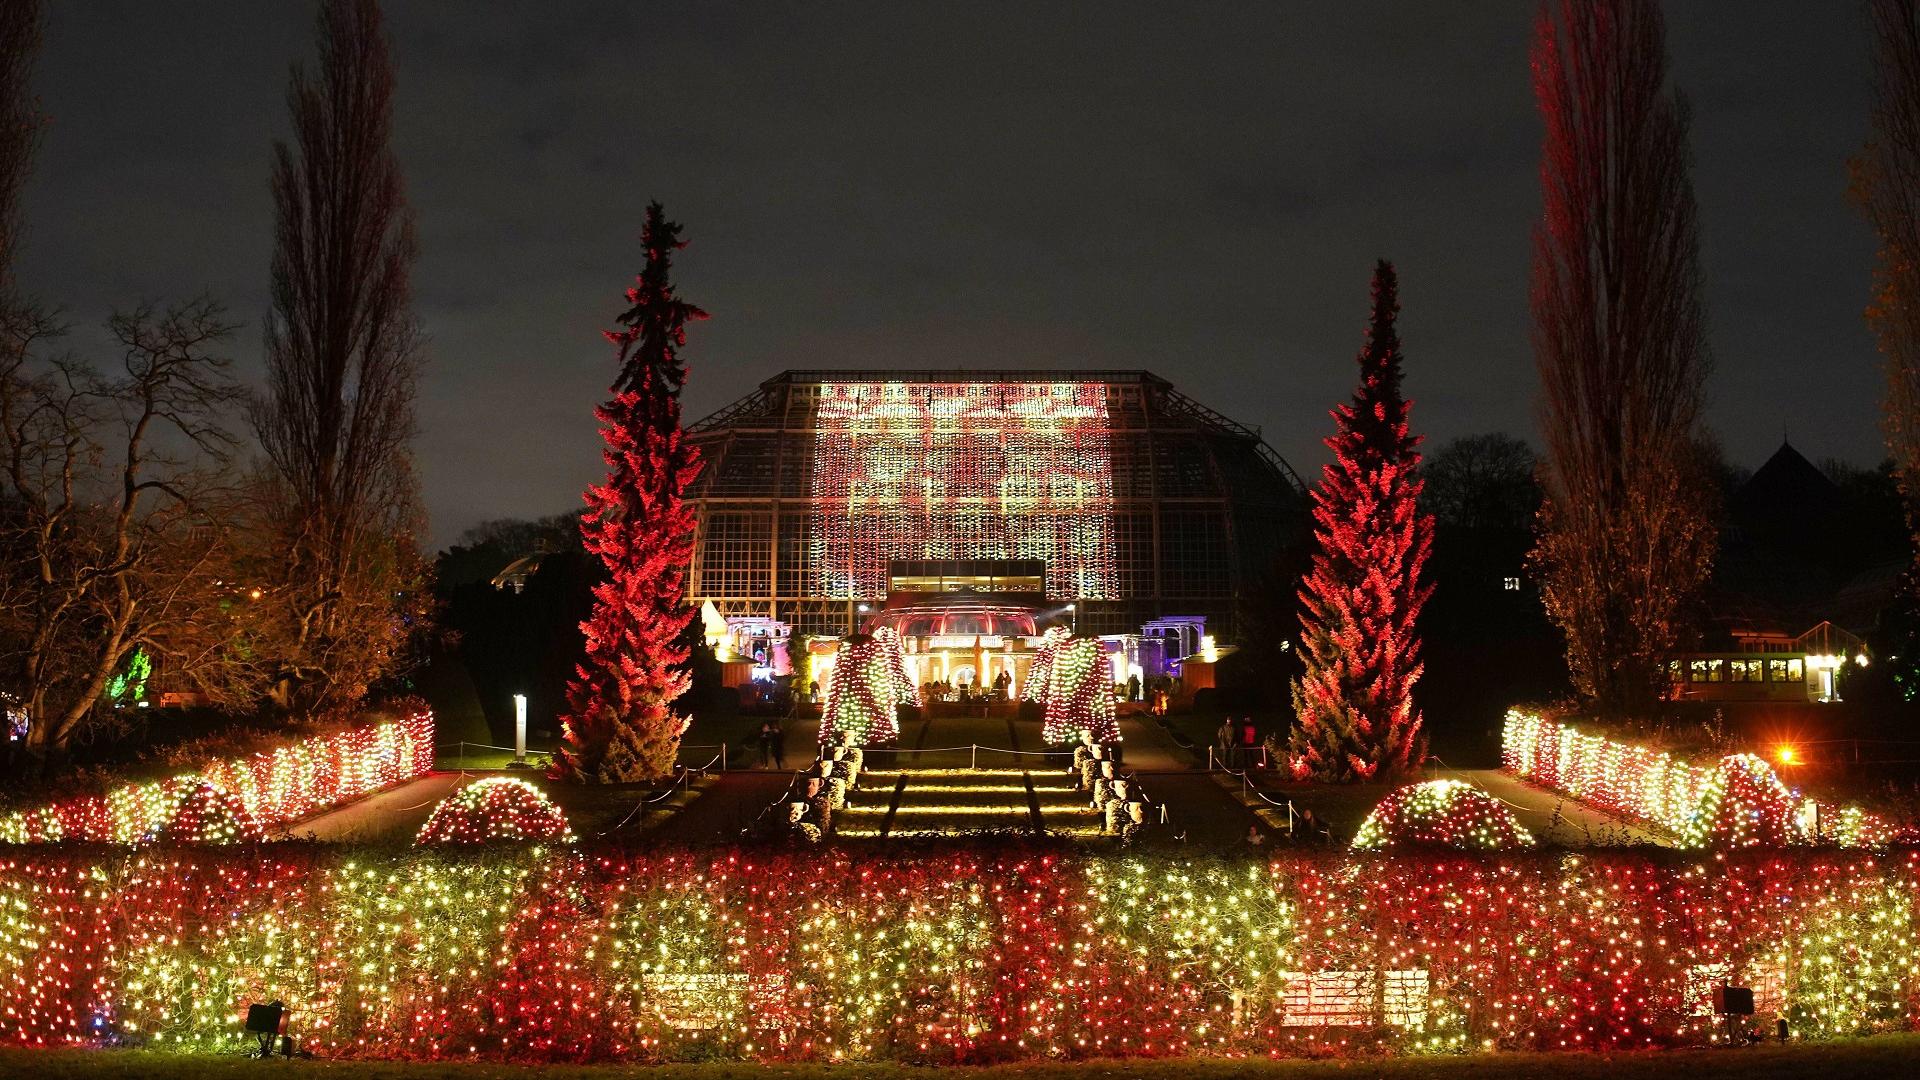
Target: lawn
(1881, 1056)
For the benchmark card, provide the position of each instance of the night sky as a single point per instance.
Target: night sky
(983, 185)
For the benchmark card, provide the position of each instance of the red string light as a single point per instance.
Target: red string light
(869, 683)
(1079, 694)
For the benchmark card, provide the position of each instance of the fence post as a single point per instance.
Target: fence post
(463, 755)
(723, 755)
(975, 747)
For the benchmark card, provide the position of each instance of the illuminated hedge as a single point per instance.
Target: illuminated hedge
(1736, 801)
(497, 808)
(273, 788)
(957, 953)
(1441, 813)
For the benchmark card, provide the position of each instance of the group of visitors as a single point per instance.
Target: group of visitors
(1156, 693)
(1237, 743)
(966, 691)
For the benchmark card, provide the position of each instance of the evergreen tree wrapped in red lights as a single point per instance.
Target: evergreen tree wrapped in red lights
(1042, 666)
(620, 724)
(870, 682)
(1354, 703)
(1080, 695)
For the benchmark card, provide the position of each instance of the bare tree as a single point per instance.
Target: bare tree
(1625, 540)
(1886, 185)
(20, 22)
(344, 355)
(1482, 482)
(116, 509)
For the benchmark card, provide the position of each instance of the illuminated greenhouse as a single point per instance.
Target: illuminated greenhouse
(830, 493)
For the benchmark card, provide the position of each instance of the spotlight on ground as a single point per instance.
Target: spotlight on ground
(265, 1021)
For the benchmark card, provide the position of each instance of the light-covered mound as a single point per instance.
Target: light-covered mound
(1441, 813)
(495, 809)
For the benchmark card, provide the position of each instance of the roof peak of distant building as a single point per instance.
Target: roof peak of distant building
(1790, 457)
(965, 375)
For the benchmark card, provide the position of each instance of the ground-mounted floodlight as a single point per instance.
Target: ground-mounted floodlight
(264, 1022)
(1731, 1002)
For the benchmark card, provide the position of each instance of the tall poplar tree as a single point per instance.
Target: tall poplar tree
(344, 581)
(1886, 186)
(1626, 535)
(620, 724)
(1354, 707)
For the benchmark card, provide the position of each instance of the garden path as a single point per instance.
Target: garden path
(384, 815)
(1554, 818)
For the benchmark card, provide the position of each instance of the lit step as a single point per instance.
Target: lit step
(963, 797)
(989, 810)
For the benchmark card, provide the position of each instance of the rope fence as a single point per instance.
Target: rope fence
(460, 752)
(1248, 787)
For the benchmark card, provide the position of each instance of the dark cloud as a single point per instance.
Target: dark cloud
(991, 185)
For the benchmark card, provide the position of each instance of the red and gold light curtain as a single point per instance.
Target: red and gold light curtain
(969, 953)
(963, 471)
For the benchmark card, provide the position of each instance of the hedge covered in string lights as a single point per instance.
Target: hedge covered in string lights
(274, 787)
(1735, 801)
(494, 809)
(951, 953)
(1441, 813)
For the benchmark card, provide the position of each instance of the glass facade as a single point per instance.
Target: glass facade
(1125, 497)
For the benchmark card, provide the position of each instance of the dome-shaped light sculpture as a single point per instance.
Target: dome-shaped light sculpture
(494, 810)
(1441, 813)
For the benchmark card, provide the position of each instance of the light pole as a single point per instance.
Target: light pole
(1073, 622)
(520, 730)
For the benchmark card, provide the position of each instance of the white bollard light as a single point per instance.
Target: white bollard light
(519, 729)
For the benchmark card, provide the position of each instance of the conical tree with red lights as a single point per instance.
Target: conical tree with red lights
(620, 724)
(1354, 705)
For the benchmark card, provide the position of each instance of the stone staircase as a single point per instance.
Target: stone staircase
(923, 801)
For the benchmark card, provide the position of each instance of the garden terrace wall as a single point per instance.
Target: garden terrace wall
(954, 952)
(1735, 801)
(275, 787)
